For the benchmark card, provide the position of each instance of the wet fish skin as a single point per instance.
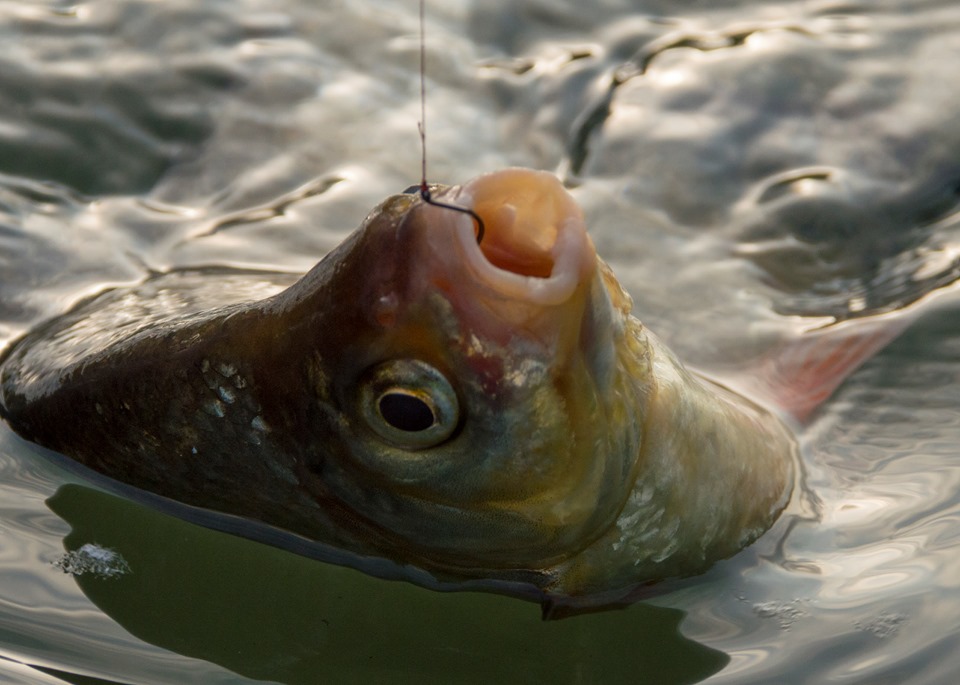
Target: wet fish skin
(584, 457)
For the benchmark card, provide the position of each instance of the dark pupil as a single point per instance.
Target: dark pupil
(406, 412)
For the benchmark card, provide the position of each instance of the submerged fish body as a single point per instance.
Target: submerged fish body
(488, 411)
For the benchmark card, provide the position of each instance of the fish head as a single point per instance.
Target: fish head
(475, 391)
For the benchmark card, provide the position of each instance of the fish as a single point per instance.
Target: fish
(476, 411)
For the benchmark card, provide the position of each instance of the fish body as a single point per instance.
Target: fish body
(477, 411)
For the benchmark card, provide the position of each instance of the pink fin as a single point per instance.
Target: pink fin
(802, 373)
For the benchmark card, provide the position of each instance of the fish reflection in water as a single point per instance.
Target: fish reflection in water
(485, 411)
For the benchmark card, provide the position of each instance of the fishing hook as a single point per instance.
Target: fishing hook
(428, 198)
(422, 127)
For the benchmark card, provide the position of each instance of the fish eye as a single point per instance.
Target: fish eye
(409, 403)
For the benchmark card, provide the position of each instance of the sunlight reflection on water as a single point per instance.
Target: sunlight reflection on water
(743, 167)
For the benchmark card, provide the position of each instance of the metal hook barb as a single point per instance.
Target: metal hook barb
(427, 197)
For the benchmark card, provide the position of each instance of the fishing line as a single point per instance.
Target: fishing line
(425, 194)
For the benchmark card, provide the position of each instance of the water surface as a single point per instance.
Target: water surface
(750, 169)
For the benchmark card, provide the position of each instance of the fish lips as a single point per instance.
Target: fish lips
(533, 264)
(535, 246)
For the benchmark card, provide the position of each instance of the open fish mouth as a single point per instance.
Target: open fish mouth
(535, 245)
